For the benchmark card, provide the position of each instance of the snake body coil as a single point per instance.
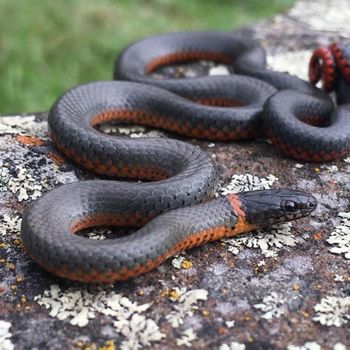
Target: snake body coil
(301, 122)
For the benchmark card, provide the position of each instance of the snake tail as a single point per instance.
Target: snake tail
(331, 66)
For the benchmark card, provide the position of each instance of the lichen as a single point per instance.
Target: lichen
(177, 261)
(248, 182)
(340, 237)
(181, 263)
(22, 125)
(79, 306)
(5, 335)
(230, 324)
(28, 174)
(185, 305)
(333, 311)
(272, 305)
(276, 236)
(233, 346)
(10, 224)
(310, 345)
(139, 332)
(186, 338)
(330, 168)
(338, 278)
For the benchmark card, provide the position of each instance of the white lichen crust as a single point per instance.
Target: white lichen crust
(14, 125)
(185, 305)
(340, 237)
(5, 335)
(186, 338)
(333, 311)
(310, 345)
(233, 346)
(79, 306)
(273, 305)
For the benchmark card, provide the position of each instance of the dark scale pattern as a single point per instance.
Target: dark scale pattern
(51, 240)
(70, 127)
(246, 57)
(331, 65)
(343, 86)
(133, 62)
(47, 236)
(305, 141)
(342, 90)
(185, 174)
(96, 98)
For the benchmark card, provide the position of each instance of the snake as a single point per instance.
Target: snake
(174, 207)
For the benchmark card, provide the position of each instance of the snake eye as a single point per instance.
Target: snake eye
(290, 206)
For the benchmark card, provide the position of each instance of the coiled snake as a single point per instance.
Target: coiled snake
(171, 207)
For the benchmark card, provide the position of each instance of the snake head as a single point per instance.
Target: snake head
(266, 207)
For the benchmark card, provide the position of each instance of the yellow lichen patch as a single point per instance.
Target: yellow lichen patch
(10, 265)
(19, 279)
(17, 242)
(296, 286)
(81, 345)
(185, 304)
(205, 313)
(165, 293)
(109, 345)
(173, 295)
(186, 264)
(250, 339)
(247, 317)
(305, 314)
(259, 269)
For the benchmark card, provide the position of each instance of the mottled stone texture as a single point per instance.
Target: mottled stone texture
(267, 292)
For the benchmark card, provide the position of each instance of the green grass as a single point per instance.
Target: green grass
(49, 46)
